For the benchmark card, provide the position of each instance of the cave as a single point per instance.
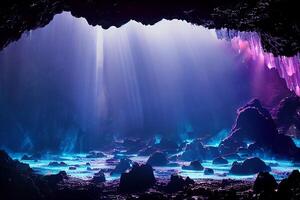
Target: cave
(127, 99)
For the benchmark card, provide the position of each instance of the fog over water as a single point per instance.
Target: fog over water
(71, 86)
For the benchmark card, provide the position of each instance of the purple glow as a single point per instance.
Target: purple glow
(250, 44)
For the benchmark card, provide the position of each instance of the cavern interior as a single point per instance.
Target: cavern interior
(151, 100)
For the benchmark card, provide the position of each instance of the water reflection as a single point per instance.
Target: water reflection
(71, 86)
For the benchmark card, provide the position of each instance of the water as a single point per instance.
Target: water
(221, 171)
(71, 87)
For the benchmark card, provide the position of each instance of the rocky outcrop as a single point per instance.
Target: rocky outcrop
(122, 166)
(178, 183)
(139, 178)
(255, 124)
(249, 166)
(264, 182)
(260, 16)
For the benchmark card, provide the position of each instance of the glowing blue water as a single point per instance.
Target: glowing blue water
(79, 160)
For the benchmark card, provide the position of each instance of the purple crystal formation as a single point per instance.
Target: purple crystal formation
(250, 42)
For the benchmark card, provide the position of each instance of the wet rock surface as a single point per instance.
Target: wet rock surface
(276, 21)
(19, 182)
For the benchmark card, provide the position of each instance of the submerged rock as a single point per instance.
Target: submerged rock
(220, 161)
(249, 166)
(158, 159)
(139, 178)
(264, 182)
(57, 164)
(99, 177)
(122, 166)
(72, 168)
(208, 171)
(177, 183)
(194, 165)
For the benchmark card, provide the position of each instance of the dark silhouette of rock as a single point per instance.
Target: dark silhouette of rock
(177, 183)
(54, 179)
(194, 151)
(16, 179)
(122, 166)
(194, 165)
(99, 177)
(57, 164)
(158, 159)
(249, 166)
(264, 182)
(220, 161)
(286, 115)
(208, 171)
(139, 178)
(289, 188)
(254, 123)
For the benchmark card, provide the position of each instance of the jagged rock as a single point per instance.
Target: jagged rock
(264, 182)
(95, 154)
(220, 161)
(254, 123)
(16, 179)
(139, 178)
(287, 115)
(99, 177)
(122, 166)
(53, 179)
(158, 159)
(177, 183)
(57, 164)
(194, 151)
(249, 166)
(194, 165)
(208, 171)
(289, 188)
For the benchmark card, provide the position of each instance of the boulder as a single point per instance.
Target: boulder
(249, 166)
(264, 182)
(194, 165)
(194, 151)
(220, 161)
(122, 166)
(139, 178)
(158, 159)
(54, 179)
(177, 183)
(289, 188)
(208, 171)
(99, 177)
